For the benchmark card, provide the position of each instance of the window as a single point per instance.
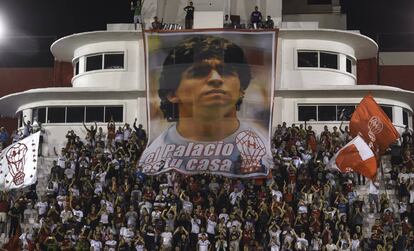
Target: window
(326, 113)
(20, 119)
(405, 117)
(56, 115)
(94, 113)
(307, 59)
(344, 112)
(94, 63)
(349, 65)
(307, 113)
(114, 61)
(328, 60)
(387, 110)
(114, 112)
(75, 114)
(319, 1)
(76, 67)
(39, 115)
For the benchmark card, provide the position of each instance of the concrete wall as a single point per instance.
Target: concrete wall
(325, 20)
(294, 77)
(131, 77)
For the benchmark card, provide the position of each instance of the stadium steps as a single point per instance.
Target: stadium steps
(363, 191)
(43, 173)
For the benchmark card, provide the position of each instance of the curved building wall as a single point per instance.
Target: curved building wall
(129, 76)
(293, 76)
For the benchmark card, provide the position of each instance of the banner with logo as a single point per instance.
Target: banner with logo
(18, 163)
(210, 102)
(374, 126)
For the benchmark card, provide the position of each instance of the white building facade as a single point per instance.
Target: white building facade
(316, 79)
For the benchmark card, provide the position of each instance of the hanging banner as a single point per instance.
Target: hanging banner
(210, 102)
(18, 163)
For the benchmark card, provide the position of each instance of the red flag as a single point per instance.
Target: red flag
(374, 126)
(355, 156)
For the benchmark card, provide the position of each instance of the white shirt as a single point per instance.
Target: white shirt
(195, 226)
(96, 245)
(373, 189)
(211, 226)
(225, 216)
(166, 238)
(203, 245)
(42, 207)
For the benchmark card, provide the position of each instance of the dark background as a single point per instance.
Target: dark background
(32, 25)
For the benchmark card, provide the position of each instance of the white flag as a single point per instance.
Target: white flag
(355, 156)
(18, 163)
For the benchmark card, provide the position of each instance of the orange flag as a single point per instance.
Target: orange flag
(374, 126)
(355, 156)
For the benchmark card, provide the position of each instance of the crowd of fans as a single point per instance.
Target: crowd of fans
(97, 198)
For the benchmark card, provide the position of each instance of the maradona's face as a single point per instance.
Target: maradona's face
(209, 84)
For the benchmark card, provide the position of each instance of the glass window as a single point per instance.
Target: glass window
(94, 63)
(307, 113)
(344, 112)
(114, 61)
(75, 114)
(95, 113)
(328, 60)
(307, 59)
(20, 119)
(76, 67)
(405, 117)
(388, 111)
(326, 113)
(56, 115)
(114, 112)
(319, 1)
(349, 65)
(39, 114)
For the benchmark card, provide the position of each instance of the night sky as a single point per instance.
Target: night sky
(34, 24)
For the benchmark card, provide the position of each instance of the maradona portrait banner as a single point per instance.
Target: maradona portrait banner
(209, 102)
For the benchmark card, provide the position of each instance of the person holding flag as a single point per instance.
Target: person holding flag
(373, 132)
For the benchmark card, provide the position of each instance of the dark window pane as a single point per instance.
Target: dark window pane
(95, 113)
(326, 113)
(76, 68)
(405, 117)
(39, 114)
(348, 65)
(94, 63)
(114, 112)
(114, 61)
(20, 119)
(329, 60)
(307, 59)
(345, 111)
(56, 115)
(388, 111)
(307, 113)
(75, 114)
(319, 2)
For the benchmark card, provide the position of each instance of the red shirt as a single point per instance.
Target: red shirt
(4, 206)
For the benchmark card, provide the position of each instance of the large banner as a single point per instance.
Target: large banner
(18, 163)
(210, 102)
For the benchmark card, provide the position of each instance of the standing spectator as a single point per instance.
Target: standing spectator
(141, 134)
(373, 194)
(156, 25)
(227, 22)
(4, 208)
(256, 18)
(14, 214)
(137, 8)
(4, 137)
(189, 17)
(269, 23)
(27, 129)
